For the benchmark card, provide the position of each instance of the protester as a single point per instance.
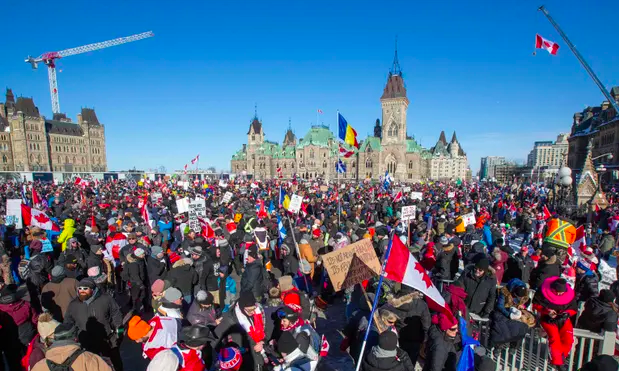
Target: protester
(58, 293)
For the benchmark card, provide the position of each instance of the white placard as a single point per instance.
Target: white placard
(13, 213)
(253, 186)
(295, 203)
(227, 197)
(407, 189)
(408, 213)
(197, 208)
(416, 195)
(451, 194)
(223, 184)
(182, 205)
(469, 219)
(186, 185)
(156, 196)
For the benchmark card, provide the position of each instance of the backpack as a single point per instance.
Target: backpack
(306, 306)
(304, 266)
(24, 268)
(66, 365)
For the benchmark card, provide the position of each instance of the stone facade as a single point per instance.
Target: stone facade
(390, 149)
(31, 143)
(549, 154)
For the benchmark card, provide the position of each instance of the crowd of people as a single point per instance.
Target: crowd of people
(241, 284)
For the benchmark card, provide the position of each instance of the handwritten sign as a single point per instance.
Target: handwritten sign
(408, 213)
(197, 209)
(47, 246)
(155, 197)
(468, 219)
(227, 197)
(295, 203)
(13, 213)
(416, 195)
(352, 264)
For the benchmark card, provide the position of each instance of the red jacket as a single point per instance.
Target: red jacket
(192, 360)
(21, 312)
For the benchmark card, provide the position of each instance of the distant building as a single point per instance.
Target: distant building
(548, 154)
(448, 161)
(31, 142)
(508, 172)
(488, 164)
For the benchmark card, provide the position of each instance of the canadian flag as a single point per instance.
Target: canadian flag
(345, 153)
(80, 182)
(145, 214)
(580, 244)
(35, 197)
(397, 197)
(403, 268)
(114, 242)
(550, 46)
(547, 214)
(34, 217)
(195, 160)
(207, 230)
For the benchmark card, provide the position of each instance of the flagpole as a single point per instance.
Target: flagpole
(294, 239)
(337, 173)
(375, 305)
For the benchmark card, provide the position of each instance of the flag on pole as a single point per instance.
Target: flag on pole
(271, 207)
(145, 214)
(195, 160)
(346, 153)
(340, 167)
(319, 111)
(346, 132)
(403, 268)
(23, 195)
(547, 214)
(550, 46)
(35, 196)
(34, 217)
(262, 213)
(279, 172)
(397, 197)
(387, 180)
(282, 230)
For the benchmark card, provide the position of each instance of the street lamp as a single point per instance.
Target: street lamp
(564, 180)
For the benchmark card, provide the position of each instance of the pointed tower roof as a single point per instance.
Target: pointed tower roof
(289, 138)
(256, 124)
(89, 115)
(453, 138)
(26, 106)
(10, 98)
(395, 83)
(442, 138)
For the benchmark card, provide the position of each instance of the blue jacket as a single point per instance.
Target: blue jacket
(165, 229)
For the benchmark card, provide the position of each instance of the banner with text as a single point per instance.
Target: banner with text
(352, 264)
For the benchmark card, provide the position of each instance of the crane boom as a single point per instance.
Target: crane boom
(49, 59)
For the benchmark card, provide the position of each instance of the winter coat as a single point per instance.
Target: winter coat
(442, 268)
(252, 278)
(400, 362)
(40, 268)
(97, 318)
(544, 270)
(598, 316)
(586, 286)
(129, 249)
(306, 252)
(498, 264)
(290, 265)
(183, 276)
(79, 255)
(57, 295)
(155, 269)
(94, 260)
(37, 353)
(135, 272)
(205, 268)
(61, 350)
(414, 317)
(607, 243)
(519, 267)
(441, 352)
(504, 330)
(67, 232)
(481, 292)
(24, 317)
(199, 316)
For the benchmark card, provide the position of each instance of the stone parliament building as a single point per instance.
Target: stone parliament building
(30, 142)
(389, 149)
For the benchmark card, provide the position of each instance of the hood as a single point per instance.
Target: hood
(403, 300)
(456, 291)
(599, 309)
(180, 263)
(69, 223)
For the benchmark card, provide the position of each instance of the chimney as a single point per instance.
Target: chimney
(605, 105)
(79, 118)
(577, 118)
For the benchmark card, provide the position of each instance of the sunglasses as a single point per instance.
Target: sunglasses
(83, 288)
(250, 309)
(453, 329)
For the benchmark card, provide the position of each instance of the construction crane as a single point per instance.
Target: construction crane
(49, 59)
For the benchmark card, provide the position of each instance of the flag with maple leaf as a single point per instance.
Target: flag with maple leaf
(36, 200)
(403, 268)
(34, 217)
(114, 243)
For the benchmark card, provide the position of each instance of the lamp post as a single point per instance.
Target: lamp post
(564, 180)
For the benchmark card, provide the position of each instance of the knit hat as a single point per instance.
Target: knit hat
(58, 271)
(444, 240)
(87, 282)
(548, 251)
(95, 248)
(388, 340)
(165, 360)
(36, 245)
(46, 325)
(230, 359)
(223, 269)
(443, 321)
(482, 264)
(94, 271)
(559, 285)
(583, 265)
(172, 295)
(174, 257)
(204, 298)
(137, 328)
(247, 299)
(606, 295)
(252, 252)
(316, 233)
(285, 283)
(197, 250)
(70, 259)
(65, 331)
(157, 286)
(287, 343)
(139, 252)
(287, 312)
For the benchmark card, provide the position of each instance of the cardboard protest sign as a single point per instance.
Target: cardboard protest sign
(324, 188)
(468, 219)
(408, 213)
(352, 264)
(13, 213)
(227, 197)
(182, 205)
(295, 203)
(196, 208)
(416, 195)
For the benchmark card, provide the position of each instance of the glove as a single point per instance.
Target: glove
(515, 314)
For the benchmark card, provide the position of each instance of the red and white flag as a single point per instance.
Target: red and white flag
(185, 169)
(207, 230)
(34, 217)
(145, 214)
(279, 172)
(319, 111)
(345, 153)
(80, 182)
(547, 214)
(114, 243)
(403, 268)
(35, 197)
(580, 243)
(195, 160)
(550, 46)
(397, 197)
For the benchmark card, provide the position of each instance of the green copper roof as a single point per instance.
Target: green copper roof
(372, 142)
(318, 135)
(413, 146)
(239, 155)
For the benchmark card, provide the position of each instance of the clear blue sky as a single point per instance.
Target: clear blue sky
(468, 66)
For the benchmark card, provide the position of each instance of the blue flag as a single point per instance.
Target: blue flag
(271, 207)
(467, 358)
(340, 167)
(282, 229)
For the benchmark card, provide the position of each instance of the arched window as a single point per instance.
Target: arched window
(324, 164)
(66, 160)
(311, 154)
(4, 159)
(410, 165)
(368, 163)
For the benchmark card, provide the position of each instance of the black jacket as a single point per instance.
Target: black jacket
(414, 317)
(252, 278)
(400, 362)
(505, 330)
(94, 260)
(443, 267)
(481, 292)
(96, 318)
(441, 354)
(598, 316)
(40, 268)
(79, 255)
(586, 286)
(184, 277)
(543, 271)
(135, 271)
(205, 268)
(518, 267)
(155, 269)
(290, 265)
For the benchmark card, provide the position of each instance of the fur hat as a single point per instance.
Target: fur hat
(46, 325)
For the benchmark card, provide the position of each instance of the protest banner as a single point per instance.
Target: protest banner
(223, 184)
(295, 203)
(227, 197)
(182, 205)
(416, 195)
(468, 219)
(407, 189)
(451, 194)
(13, 213)
(155, 197)
(352, 264)
(324, 188)
(408, 213)
(47, 245)
(196, 209)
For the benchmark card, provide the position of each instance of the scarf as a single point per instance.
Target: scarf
(300, 322)
(382, 353)
(254, 326)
